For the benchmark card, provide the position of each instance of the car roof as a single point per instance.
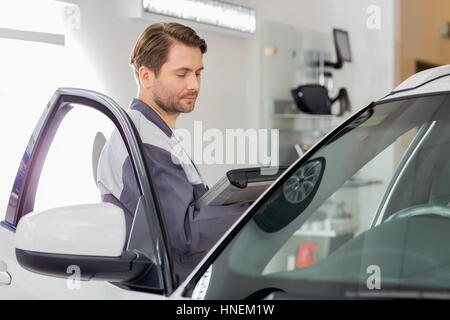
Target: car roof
(427, 81)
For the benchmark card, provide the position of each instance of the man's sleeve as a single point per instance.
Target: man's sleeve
(116, 179)
(192, 229)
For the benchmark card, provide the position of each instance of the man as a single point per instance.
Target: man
(167, 61)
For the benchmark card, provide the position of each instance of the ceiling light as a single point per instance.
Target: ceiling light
(211, 12)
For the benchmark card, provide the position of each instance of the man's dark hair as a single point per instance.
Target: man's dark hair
(152, 47)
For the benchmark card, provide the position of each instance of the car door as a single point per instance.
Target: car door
(58, 169)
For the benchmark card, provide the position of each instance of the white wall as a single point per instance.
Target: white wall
(230, 93)
(372, 70)
(230, 96)
(108, 36)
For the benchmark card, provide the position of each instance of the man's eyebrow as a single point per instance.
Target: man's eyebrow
(188, 69)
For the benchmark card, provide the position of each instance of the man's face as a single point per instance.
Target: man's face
(177, 85)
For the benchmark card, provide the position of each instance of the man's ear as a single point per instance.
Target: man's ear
(146, 77)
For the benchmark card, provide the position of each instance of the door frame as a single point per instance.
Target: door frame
(23, 193)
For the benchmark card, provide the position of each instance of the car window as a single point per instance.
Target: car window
(67, 176)
(340, 218)
(78, 170)
(369, 210)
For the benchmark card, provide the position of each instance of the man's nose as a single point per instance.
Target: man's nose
(193, 83)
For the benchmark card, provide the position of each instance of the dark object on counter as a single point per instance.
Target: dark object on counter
(313, 98)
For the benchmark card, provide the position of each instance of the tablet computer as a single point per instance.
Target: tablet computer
(240, 185)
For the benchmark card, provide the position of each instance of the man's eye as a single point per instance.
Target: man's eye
(181, 75)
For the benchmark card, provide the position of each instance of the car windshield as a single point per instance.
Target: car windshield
(366, 213)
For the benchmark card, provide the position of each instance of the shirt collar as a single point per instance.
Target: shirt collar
(151, 115)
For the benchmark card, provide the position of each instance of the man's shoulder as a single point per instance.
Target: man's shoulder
(149, 132)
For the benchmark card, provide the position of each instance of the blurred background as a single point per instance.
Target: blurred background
(253, 63)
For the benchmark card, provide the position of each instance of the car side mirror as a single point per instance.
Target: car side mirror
(89, 238)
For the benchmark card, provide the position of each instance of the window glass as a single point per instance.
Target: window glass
(67, 177)
(88, 163)
(367, 211)
(341, 217)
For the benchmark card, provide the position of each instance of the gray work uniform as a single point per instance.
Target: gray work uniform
(192, 229)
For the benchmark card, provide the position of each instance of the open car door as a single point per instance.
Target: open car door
(56, 224)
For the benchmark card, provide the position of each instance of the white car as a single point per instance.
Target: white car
(364, 213)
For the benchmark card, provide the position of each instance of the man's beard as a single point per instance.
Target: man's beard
(169, 104)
